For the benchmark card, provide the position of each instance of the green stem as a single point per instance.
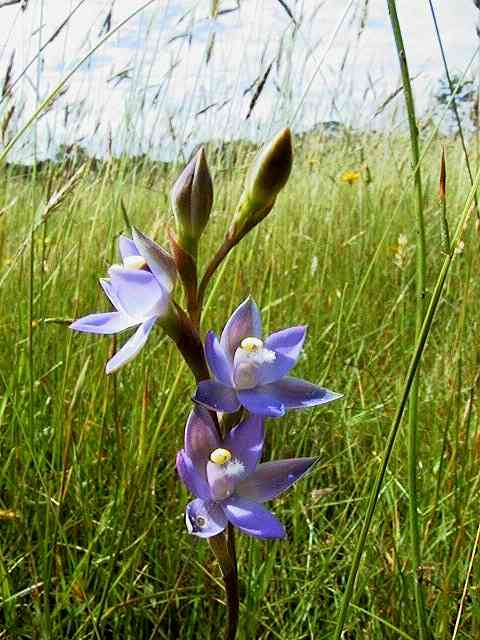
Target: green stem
(233, 237)
(412, 369)
(453, 91)
(31, 373)
(416, 558)
(185, 251)
(216, 261)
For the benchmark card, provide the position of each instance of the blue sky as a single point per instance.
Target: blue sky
(150, 89)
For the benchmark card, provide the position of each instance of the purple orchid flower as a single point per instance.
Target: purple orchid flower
(251, 373)
(139, 290)
(229, 483)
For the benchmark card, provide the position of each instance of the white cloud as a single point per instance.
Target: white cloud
(151, 78)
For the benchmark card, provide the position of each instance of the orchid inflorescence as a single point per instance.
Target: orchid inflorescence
(242, 378)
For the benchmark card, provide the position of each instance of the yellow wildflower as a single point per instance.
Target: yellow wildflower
(350, 177)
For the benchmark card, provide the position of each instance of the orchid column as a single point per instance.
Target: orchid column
(241, 378)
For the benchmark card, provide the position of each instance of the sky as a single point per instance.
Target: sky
(174, 76)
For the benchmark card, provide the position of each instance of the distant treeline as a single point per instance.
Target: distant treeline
(226, 154)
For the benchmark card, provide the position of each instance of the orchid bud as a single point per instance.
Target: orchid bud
(271, 169)
(192, 198)
(265, 180)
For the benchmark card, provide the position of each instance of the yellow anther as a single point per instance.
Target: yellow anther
(220, 456)
(253, 345)
(134, 262)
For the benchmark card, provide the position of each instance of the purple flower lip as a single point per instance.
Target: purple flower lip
(253, 373)
(139, 290)
(228, 480)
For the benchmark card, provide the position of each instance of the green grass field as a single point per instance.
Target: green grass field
(91, 510)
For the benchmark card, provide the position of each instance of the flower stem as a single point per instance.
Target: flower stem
(216, 261)
(416, 558)
(182, 331)
(222, 546)
(185, 256)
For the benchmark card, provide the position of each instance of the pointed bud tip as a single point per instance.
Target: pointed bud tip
(201, 156)
(202, 180)
(284, 139)
(280, 151)
(272, 168)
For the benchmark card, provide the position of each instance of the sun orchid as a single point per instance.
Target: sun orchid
(251, 373)
(139, 289)
(242, 373)
(228, 480)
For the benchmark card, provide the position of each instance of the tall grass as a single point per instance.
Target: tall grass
(421, 294)
(90, 508)
(71, 495)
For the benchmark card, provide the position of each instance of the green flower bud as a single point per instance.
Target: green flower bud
(192, 198)
(265, 180)
(271, 170)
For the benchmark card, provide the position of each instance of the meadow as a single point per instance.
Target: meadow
(93, 543)
(91, 508)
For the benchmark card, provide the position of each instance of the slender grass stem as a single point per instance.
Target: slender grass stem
(416, 558)
(31, 372)
(407, 387)
(467, 579)
(56, 91)
(42, 48)
(453, 91)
